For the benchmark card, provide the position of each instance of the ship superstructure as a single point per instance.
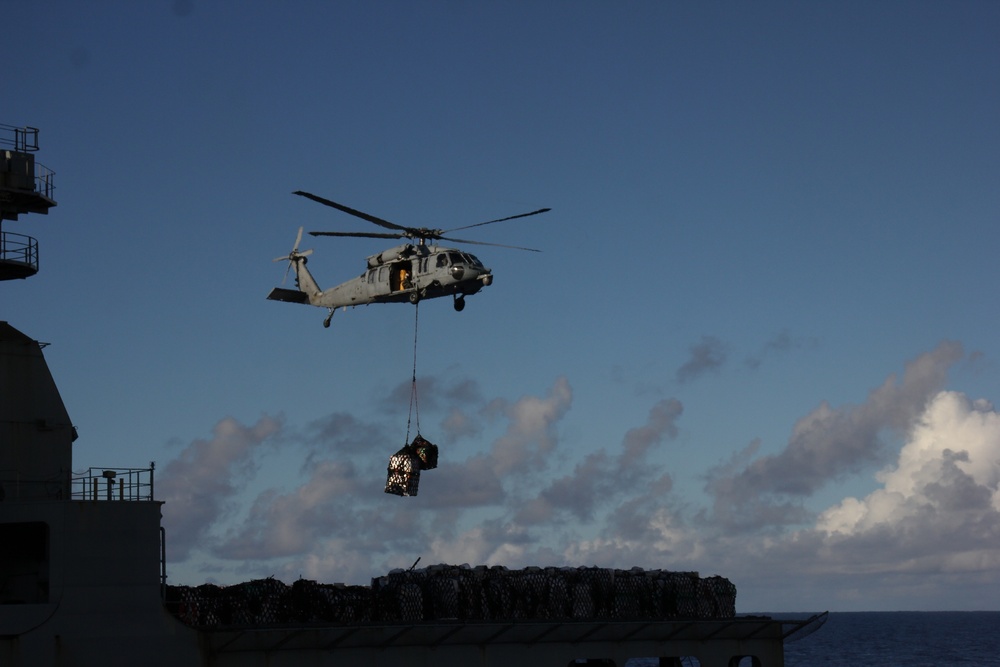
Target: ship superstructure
(81, 560)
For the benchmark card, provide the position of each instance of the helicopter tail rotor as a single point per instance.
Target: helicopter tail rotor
(294, 256)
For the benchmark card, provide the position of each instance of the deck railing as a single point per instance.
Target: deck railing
(25, 140)
(20, 250)
(45, 181)
(22, 139)
(113, 484)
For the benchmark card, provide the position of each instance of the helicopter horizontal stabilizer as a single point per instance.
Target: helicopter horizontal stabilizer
(289, 295)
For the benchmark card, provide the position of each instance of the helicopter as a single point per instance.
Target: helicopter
(406, 273)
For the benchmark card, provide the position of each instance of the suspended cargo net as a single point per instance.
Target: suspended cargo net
(405, 466)
(426, 451)
(403, 473)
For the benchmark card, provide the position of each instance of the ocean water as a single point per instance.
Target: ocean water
(914, 639)
(891, 639)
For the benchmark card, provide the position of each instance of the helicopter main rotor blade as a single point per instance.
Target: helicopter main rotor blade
(490, 222)
(498, 245)
(367, 235)
(347, 209)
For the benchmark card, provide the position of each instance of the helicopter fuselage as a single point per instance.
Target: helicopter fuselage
(405, 273)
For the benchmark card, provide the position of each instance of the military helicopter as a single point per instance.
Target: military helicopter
(404, 273)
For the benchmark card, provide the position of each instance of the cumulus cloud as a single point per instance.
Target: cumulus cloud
(207, 473)
(602, 478)
(828, 444)
(930, 530)
(473, 482)
(530, 432)
(342, 433)
(939, 504)
(285, 524)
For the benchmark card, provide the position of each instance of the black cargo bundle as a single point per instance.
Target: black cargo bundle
(453, 592)
(426, 451)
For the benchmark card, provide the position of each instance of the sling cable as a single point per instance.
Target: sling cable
(403, 476)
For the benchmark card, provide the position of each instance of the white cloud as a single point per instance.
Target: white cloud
(204, 476)
(289, 524)
(826, 445)
(947, 475)
(530, 437)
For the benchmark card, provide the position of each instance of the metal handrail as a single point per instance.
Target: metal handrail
(19, 249)
(22, 137)
(44, 180)
(113, 484)
(25, 140)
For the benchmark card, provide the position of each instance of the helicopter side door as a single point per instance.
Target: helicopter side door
(401, 276)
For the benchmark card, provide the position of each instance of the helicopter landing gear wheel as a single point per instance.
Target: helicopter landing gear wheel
(459, 303)
(326, 322)
(414, 297)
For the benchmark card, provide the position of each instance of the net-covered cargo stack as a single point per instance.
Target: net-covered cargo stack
(498, 593)
(311, 602)
(269, 602)
(399, 596)
(451, 592)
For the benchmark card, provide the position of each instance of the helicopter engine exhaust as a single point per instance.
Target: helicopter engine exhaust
(390, 255)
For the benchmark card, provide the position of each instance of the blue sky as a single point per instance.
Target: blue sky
(760, 340)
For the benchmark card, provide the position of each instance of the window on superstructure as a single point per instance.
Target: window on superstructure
(24, 563)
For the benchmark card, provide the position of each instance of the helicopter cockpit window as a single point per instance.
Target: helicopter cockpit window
(455, 257)
(472, 260)
(442, 260)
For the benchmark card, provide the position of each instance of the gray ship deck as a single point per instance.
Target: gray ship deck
(714, 643)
